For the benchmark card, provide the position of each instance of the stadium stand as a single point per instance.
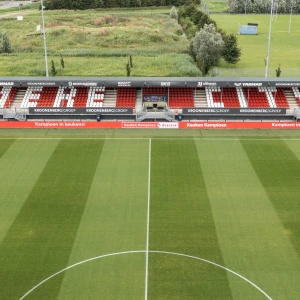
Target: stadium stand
(126, 97)
(181, 97)
(55, 97)
(297, 94)
(229, 97)
(7, 95)
(79, 97)
(225, 97)
(95, 97)
(279, 97)
(256, 97)
(39, 97)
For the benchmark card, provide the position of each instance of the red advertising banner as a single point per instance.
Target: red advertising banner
(240, 125)
(153, 125)
(60, 124)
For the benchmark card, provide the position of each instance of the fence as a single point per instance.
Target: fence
(253, 72)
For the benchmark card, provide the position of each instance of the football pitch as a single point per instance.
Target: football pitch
(149, 217)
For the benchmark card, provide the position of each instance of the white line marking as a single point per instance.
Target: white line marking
(144, 251)
(217, 265)
(156, 138)
(148, 220)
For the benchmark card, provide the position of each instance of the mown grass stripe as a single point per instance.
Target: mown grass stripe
(18, 174)
(114, 221)
(181, 221)
(278, 169)
(250, 233)
(40, 240)
(4, 146)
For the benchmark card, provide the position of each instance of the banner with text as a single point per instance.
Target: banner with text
(80, 111)
(153, 125)
(233, 111)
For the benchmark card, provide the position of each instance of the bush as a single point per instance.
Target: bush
(106, 19)
(6, 46)
(103, 32)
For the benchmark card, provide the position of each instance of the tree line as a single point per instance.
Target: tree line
(92, 4)
(208, 42)
(263, 6)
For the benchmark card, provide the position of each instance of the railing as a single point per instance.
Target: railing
(155, 115)
(14, 113)
(297, 113)
(253, 72)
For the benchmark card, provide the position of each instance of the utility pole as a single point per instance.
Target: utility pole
(269, 40)
(45, 44)
(291, 16)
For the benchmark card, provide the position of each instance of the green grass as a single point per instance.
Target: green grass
(284, 46)
(233, 202)
(144, 65)
(215, 5)
(102, 41)
(98, 43)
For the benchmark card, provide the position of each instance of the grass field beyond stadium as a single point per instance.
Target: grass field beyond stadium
(232, 202)
(156, 44)
(285, 48)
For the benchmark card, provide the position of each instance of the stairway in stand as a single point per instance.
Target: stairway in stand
(139, 101)
(202, 98)
(18, 98)
(110, 97)
(290, 97)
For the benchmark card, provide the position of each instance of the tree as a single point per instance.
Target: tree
(6, 46)
(208, 45)
(278, 71)
(174, 13)
(128, 69)
(53, 70)
(130, 61)
(231, 52)
(62, 62)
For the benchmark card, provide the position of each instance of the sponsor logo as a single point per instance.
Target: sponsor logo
(124, 83)
(59, 124)
(167, 125)
(165, 83)
(82, 83)
(208, 110)
(106, 110)
(40, 83)
(250, 84)
(287, 84)
(6, 83)
(139, 125)
(206, 125)
(286, 125)
(54, 110)
(209, 83)
(261, 110)
(206, 84)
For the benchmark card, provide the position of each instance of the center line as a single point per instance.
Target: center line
(148, 217)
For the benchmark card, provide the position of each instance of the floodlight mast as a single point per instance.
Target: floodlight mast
(292, 3)
(45, 44)
(269, 40)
